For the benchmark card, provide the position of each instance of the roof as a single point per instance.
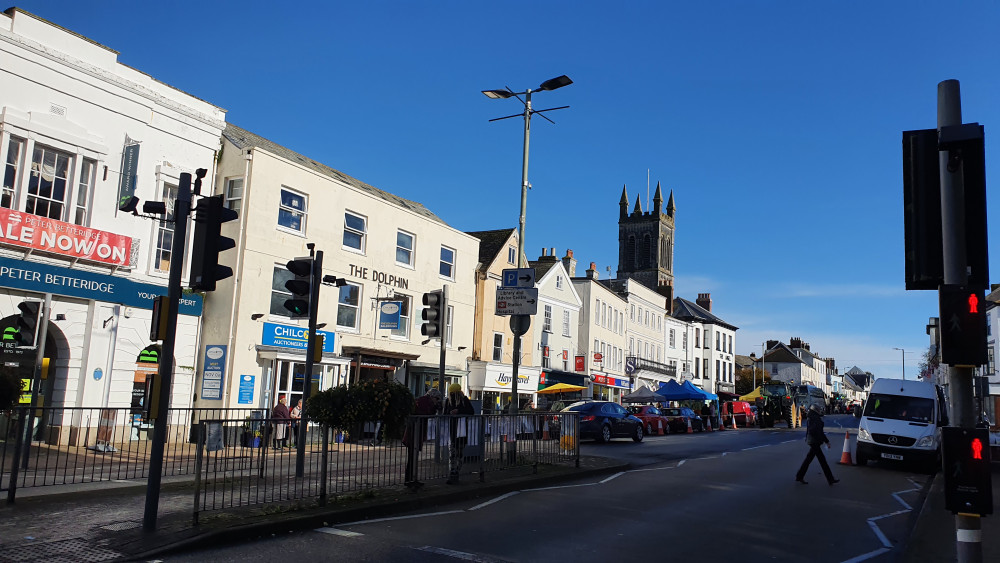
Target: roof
(782, 354)
(244, 139)
(491, 243)
(541, 267)
(858, 377)
(687, 311)
(744, 361)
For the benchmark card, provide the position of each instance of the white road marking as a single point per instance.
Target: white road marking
(615, 476)
(755, 447)
(554, 487)
(681, 462)
(878, 531)
(336, 532)
(408, 517)
(868, 555)
(452, 553)
(498, 499)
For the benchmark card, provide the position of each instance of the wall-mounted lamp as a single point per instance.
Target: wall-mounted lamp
(256, 316)
(320, 325)
(425, 341)
(460, 348)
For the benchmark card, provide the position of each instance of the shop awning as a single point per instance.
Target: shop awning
(561, 388)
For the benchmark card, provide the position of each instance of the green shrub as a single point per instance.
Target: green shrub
(348, 408)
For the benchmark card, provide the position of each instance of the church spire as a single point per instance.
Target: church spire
(623, 203)
(670, 203)
(657, 200)
(638, 205)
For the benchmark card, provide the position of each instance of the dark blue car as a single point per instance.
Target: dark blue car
(604, 420)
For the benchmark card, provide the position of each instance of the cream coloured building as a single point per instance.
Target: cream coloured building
(388, 249)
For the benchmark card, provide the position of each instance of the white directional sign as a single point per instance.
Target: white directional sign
(517, 301)
(518, 277)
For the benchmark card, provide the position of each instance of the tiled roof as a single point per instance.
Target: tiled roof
(491, 243)
(782, 354)
(245, 139)
(541, 267)
(688, 311)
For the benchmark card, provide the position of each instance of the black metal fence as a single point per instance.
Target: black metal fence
(233, 475)
(71, 445)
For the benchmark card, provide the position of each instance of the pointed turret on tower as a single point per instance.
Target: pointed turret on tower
(638, 206)
(657, 200)
(623, 204)
(670, 203)
(646, 242)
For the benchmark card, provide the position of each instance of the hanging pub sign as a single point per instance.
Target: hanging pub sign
(389, 312)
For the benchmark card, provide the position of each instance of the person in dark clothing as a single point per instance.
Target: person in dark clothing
(815, 438)
(457, 404)
(280, 418)
(413, 437)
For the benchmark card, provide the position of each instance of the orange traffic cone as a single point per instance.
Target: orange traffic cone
(845, 458)
(690, 430)
(733, 418)
(659, 426)
(545, 430)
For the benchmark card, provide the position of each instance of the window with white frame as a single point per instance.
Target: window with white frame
(631, 346)
(730, 343)
(706, 339)
(84, 189)
(349, 306)
(292, 211)
(632, 314)
(704, 368)
(558, 282)
(684, 340)
(547, 323)
(234, 193)
(673, 338)
(404, 317)
(718, 376)
(697, 370)
(449, 326)
(546, 361)
(697, 338)
(497, 346)
(11, 169)
(597, 312)
(565, 323)
(511, 255)
(597, 345)
(48, 182)
(565, 359)
(447, 267)
(717, 341)
(165, 232)
(404, 248)
(355, 231)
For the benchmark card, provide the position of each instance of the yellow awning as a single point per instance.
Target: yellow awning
(751, 395)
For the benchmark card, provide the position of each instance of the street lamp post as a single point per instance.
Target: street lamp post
(902, 353)
(519, 326)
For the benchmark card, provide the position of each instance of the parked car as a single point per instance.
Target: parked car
(651, 418)
(678, 418)
(604, 420)
(741, 410)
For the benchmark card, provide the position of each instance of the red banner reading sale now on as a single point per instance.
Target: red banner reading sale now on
(49, 235)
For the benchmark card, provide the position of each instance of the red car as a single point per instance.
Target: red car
(741, 409)
(652, 419)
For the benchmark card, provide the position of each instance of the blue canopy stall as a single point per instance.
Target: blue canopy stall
(673, 391)
(705, 394)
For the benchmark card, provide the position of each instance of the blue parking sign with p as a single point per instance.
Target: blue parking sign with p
(510, 278)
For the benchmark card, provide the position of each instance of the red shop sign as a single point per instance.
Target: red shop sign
(602, 379)
(598, 356)
(48, 235)
(579, 363)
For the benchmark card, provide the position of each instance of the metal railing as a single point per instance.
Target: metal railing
(232, 475)
(71, 445)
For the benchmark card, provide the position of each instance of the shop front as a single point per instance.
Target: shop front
(491, 384)
(609, 388)
(423, 376)
(371, 363)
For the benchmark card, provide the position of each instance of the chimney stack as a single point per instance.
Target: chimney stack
(569, 263)
(592, 272)
(705, 301)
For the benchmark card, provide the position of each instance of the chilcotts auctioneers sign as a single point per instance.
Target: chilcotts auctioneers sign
(48, 235)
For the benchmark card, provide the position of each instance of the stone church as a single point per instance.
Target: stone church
(646, 243)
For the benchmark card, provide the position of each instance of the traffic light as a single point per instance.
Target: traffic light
(968, 485)
(27, 323)
(963, 325)
(209, 215)
(433, 314)
(300, 287)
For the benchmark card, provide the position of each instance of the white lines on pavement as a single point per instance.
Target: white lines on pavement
(790, 441)
(887, 545)
(878, 533)
(681, 462)
(615, 476)
(755, 447)
(407, 517)
(868, 555)
(456, 554)
(901, 501)
(554, 487)
(336, 532)
(498, 499)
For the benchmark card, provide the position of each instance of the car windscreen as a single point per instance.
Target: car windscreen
(900, 407)
(579, 407)
(773, 390)
(634, 410)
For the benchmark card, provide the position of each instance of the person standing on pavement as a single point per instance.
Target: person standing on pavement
(815, 438)
(295, 414)
(416, 428)
(280, 418)
(457, 404)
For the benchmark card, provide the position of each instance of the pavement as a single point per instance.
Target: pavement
(933, 535)
(103, 521)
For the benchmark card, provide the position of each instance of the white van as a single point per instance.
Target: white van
(902, 421)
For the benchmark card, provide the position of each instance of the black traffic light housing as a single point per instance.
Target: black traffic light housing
(209, 215)
(965, 460)
(300, 286)
(963, 325)
(433, 314)
(27, 322)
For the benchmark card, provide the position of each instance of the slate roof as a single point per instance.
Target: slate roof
(859, 377)
(541, 267)
(244, 139)
(742, 361)
(687, 311)
(491, 243)
(782, 354)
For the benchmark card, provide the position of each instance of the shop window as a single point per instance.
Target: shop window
(355, 231)
(348, 307)
(404, 248)
(292, 211)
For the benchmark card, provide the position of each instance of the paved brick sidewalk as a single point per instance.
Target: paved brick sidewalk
(103, 522)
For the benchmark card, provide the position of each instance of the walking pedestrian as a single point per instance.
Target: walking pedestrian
(295, 414)
(280, 418)
(815, 438)
(416, 429)
(457, 404)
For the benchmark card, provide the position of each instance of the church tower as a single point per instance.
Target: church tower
(646, 242)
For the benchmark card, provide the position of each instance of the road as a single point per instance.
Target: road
(701, 497)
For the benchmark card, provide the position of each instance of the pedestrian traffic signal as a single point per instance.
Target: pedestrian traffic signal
(300, 287)
(963, 326)
(432, 314)
(968, 483)
(27, 323)
(209, 215)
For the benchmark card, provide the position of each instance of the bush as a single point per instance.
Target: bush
(10, 391)
(349, 408)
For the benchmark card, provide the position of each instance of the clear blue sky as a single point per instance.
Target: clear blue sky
(776, 124)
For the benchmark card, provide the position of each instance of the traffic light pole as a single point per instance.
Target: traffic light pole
(182, 208)
(300, 440)
(968, 527)
(36, 379)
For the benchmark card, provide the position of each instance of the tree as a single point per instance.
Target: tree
(929, 365)
(10, 390)
(745, 378)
